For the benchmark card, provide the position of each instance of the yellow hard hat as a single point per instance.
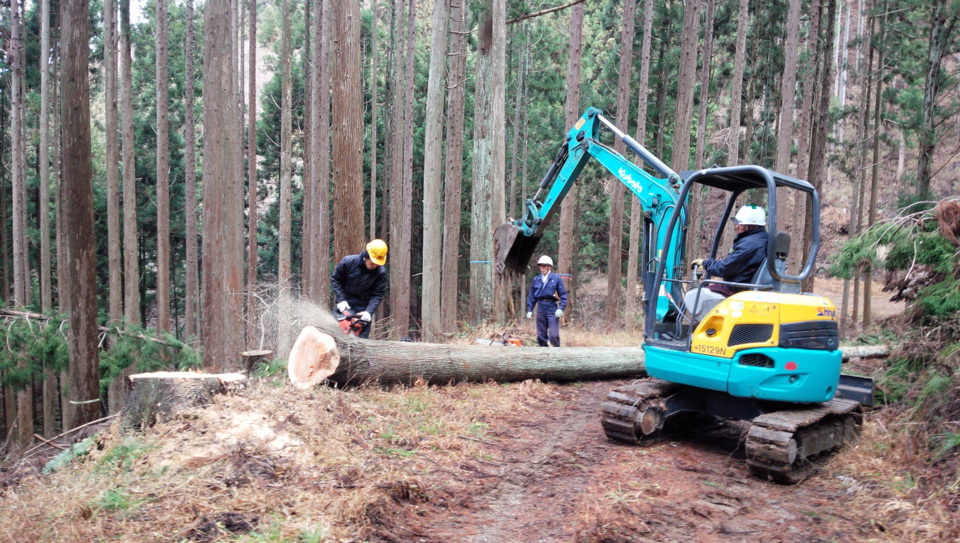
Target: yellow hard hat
(377, 250)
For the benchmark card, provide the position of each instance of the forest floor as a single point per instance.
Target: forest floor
(469, 462)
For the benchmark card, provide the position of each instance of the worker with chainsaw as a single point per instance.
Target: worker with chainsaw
(550, 296)
(359, 283)
(748, 252)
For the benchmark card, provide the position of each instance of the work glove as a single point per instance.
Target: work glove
(365, 317)
(698, 263)
(343, 306)
(529, 314)
(558, 314)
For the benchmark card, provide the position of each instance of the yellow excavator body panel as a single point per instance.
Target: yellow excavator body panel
(752, 319)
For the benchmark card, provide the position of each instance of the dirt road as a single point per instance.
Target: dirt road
(555, 477)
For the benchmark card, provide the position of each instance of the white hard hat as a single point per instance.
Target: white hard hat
(751, 214)
(545, 260)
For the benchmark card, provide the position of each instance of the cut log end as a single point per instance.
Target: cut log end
(314, 357)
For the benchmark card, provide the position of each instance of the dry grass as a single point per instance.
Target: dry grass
(274, 463)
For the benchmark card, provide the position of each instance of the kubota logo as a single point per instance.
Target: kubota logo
(628, 179)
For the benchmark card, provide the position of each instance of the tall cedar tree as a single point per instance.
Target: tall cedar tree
(348, 230)
(80, 251)
(112, 164)
(222, 243)
(131, 257)
(163, 172)
(454, 167)
(192, 279)
(286, 147)
(636, 213)
(433, 158)
(251, 174)
(736, 94)
(615, 243)
(571, 114)
(488, 160)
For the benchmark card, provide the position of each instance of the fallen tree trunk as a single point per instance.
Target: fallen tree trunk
(346, 360)
(318, 355)
(160, 395)
(865, 351)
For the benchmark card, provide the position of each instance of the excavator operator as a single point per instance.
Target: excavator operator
(746, 256)
(359, 283)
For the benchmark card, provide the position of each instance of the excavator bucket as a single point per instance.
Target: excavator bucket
(512, 249)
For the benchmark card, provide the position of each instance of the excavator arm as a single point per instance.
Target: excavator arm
(516, 241)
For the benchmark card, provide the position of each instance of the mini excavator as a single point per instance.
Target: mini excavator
(768, 355)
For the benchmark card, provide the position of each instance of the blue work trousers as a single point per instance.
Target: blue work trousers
(548, 325)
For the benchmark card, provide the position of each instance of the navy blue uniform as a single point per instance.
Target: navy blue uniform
(749, 250)
(548, 297)
(363, 289)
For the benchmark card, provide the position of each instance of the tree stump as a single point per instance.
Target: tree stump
(252, 358)
(159, 396)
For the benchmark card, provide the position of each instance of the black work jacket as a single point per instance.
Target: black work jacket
(749, 250)
(353, 283)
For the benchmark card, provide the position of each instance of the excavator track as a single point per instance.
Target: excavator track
(636, 411)
(783, 445)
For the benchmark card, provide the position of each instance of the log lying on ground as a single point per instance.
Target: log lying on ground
(318, 355)
(346, 360)
(160, 395)
(865, 351)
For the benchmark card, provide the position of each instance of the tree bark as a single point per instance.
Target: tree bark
(572, 113)
(131, 264)
(46, 289)
(163, 172)
(222, 211)
(319, 215)
(374, 111)
(159, 396)
(286, 174)
(636, 213)
(488, 209)
(454, 167)
(112, 165)
(432, 186)
(736, 95)
(252, 181)
(192, 280)
(318, 355)
(686, 80)
(78, 216)
(19, 207)
(614, 316)
(348, 227)
(704, 89)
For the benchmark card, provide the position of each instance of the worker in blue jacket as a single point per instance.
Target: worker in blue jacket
(359, 283)
(746, 256)
(550, 295)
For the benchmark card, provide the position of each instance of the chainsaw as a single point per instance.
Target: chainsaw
(350, 323)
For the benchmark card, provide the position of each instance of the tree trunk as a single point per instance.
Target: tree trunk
(160, 396)
(704, 90)
(488, 163)
(572, 113)
(222, 211)
(454, 167)
(78, 216)
(252, 181)
(46, 290)
(636, 213)
(432, 186)
(318, 355)
(736, 95)
(374, 110)
(686, 81)
(786, 216)
(112, 165)
(163, 173)
(286, 174)
(319, 218)
(875, 170)
(804, 129)
(192, 295)
(19, 210)
(348, 227)
(131, 264)
(943, 19)
(614, 316)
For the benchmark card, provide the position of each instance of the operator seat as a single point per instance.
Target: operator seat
(781, 248)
